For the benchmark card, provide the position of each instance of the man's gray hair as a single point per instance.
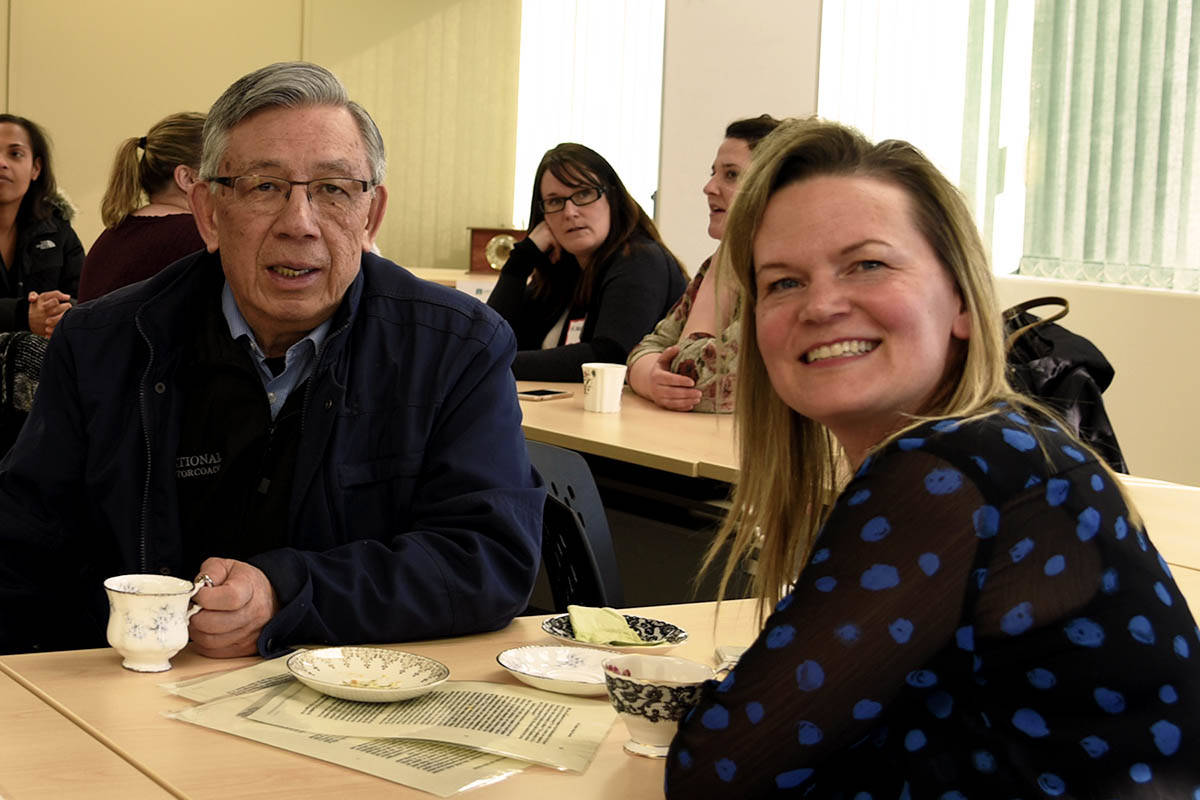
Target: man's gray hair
(289, 84)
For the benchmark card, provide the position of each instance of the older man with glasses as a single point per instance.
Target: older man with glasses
(336, 444)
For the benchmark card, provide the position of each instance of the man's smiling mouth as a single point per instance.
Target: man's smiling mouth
(290, 272)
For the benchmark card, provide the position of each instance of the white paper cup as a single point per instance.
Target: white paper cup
(602, 385)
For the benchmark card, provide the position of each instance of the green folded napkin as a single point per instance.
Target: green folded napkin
(601, 626)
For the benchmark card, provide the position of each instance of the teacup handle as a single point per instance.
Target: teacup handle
(200, 583)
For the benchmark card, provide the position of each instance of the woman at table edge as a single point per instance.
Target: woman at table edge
(41, 253)
(980, 613)
(593, 275)
(687, 362)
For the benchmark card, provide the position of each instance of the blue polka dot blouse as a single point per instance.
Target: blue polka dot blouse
(981, 617)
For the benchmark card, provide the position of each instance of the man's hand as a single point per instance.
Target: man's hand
(651, 377)
(236, 607)
(46, 309)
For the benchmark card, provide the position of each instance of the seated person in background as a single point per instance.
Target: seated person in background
(686, 362)
(41, 254)
(980, 613)
(336, 443)
(139, 240)
(601, 275)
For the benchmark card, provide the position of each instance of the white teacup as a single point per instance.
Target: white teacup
(652, 693)
(148, 618)
(602, 385)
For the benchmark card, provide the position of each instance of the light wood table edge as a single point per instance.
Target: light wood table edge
(593, 447)
(91, 731)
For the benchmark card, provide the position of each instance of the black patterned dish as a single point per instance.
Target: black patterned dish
(658, 636)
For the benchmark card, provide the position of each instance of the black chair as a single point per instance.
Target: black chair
(577, 549)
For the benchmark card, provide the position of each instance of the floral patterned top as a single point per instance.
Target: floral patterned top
(982, 617)
(710, 361)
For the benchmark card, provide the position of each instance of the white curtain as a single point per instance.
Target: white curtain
(591, 72)
(952, 78)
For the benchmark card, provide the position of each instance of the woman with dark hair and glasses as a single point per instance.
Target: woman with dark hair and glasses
(42, 256)
(592, 277)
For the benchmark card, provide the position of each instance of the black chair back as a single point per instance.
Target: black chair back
(577, 549)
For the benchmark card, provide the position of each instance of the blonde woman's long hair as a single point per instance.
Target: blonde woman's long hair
(792, 467)
(171, 141)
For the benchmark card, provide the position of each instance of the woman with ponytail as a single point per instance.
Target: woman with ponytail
(147, 221)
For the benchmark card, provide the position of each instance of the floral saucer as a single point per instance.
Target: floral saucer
(658, 636)
(367, 674)
(556, 668)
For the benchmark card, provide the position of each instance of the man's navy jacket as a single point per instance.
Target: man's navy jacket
(414, 512)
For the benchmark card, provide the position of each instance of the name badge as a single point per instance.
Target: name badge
(574, 330)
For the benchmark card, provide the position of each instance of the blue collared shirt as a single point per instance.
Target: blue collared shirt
(298, 361)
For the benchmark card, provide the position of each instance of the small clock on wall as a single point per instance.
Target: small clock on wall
(490, 247)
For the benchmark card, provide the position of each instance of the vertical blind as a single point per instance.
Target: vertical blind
(1114, 193)
(1069, 124)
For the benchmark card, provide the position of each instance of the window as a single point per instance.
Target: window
(591, 72)
(1070, 125)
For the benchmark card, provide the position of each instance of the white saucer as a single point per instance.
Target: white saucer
(367, 674)
(555, 668)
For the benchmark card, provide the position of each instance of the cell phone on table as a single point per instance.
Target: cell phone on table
(538, 395)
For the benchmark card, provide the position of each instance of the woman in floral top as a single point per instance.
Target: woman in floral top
(687, 362)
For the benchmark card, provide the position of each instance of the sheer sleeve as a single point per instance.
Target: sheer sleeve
(883, 592)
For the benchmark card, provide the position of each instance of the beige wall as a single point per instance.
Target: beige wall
(93, 73)
(1149, 336)
(723, 60)
(439, 78)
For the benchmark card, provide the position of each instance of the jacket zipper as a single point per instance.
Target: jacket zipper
(143, 540)
(308, 390)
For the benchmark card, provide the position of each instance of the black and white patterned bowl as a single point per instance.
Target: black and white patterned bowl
(652, 693)
(658, 636)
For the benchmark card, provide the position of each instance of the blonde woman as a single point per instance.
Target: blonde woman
(147, 220)
(979, 612)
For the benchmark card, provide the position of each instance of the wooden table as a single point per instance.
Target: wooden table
(124, 709)
(702, 445)
(1171, 512)
(43, 754)
(695, 445)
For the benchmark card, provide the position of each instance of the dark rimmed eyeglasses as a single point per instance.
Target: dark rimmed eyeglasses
(584, 197)
(264, 194)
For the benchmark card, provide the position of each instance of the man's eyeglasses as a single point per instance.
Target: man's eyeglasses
(262, 194)
(584, 197)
